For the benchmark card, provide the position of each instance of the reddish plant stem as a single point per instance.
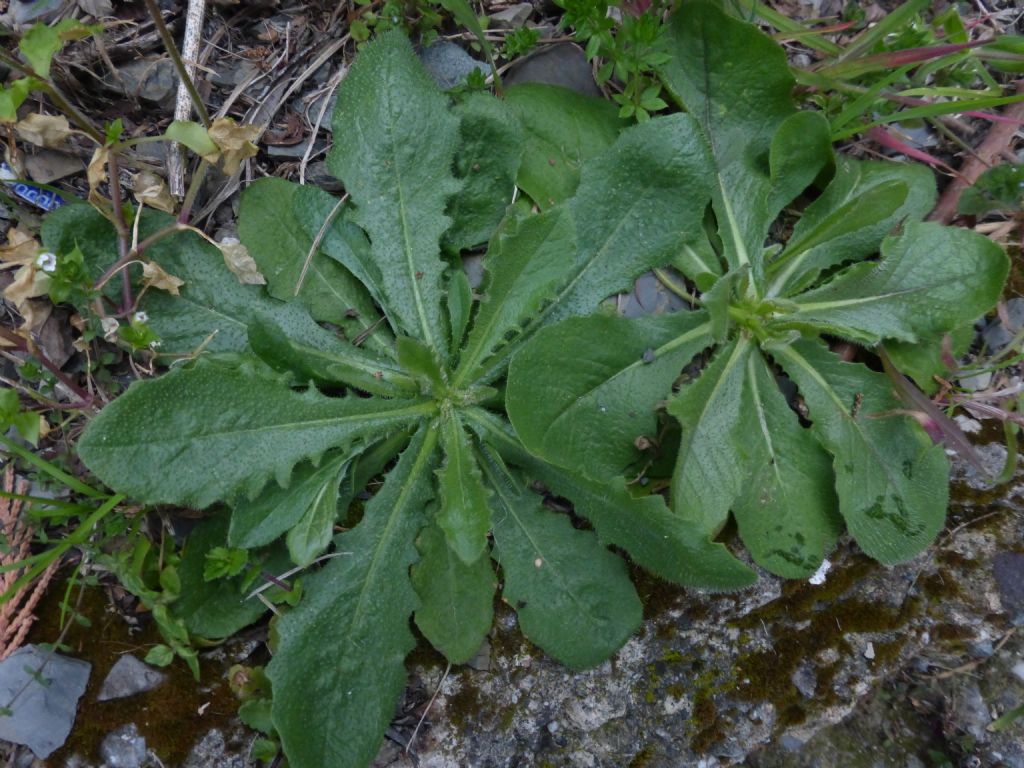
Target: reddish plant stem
(85, 398)
(136, 252)
(999, 137)
(123, 234)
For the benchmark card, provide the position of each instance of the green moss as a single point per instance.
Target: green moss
(951, 632)
(464, 706)
(171, 717)
(642, 758)
(937, 588)
(706, 721)
(888, 652)
(954, 559)
(826, 616)
(658, 597)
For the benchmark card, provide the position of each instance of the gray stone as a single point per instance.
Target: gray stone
(47, 166)
(1008, 571)
(24, 12)
(564, 64)
(295, 150)
(215, 751)
(649, 297)
(981, 650)
(42, 705)
(790, 743)
(151, 80)
(996, 335)
(513, 17)
(449, 65)
(127, 677)
(123, 748)
(311, 108)
(970, 710)
(231, 72)
(318, 175)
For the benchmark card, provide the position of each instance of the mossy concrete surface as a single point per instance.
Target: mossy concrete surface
(728, 679)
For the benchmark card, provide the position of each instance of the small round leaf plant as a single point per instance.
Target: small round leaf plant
(369, 351)
(776, 429)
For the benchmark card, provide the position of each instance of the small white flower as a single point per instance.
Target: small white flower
(47, 261)
(819, 575)
(140, 317)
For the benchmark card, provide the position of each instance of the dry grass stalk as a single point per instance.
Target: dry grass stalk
(16, 615)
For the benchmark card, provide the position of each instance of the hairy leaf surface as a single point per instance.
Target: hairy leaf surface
(486, 162)
(257, 522)
(553, 571)
(562, 129)
(735, 81)
(240, 423)
(893, 484)
(716, 457)
(655, 537)
(314, 354)
(396, 164)
(930, 279)
(456, 598)
(277, 241)
(597, 401)
(333, 699)
(862, 204)
(464, 515)
(787, 510)
(528, 258)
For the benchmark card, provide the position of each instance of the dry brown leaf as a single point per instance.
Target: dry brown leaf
(30, 282)
(235, 142)
(44, 130)
(237, 257)
(151, 190)
(97, 170)
(20, 249)
(154, 276)
(110, 326)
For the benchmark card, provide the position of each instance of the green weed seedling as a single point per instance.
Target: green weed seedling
(765, 312)
(370, 352)
(286, 421)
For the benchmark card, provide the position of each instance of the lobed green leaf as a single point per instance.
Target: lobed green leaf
(397, 168)
(464, 515)
(573, 597)
(275, 237)
(490, 148)
(339, 667)
(582, 392)
(217, 431)
(930, 279)
(456, 598)
(787, 511)
(893, 484)
(562, 129)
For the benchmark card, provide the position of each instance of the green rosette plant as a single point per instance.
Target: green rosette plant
(858, 265)
(369, 351)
